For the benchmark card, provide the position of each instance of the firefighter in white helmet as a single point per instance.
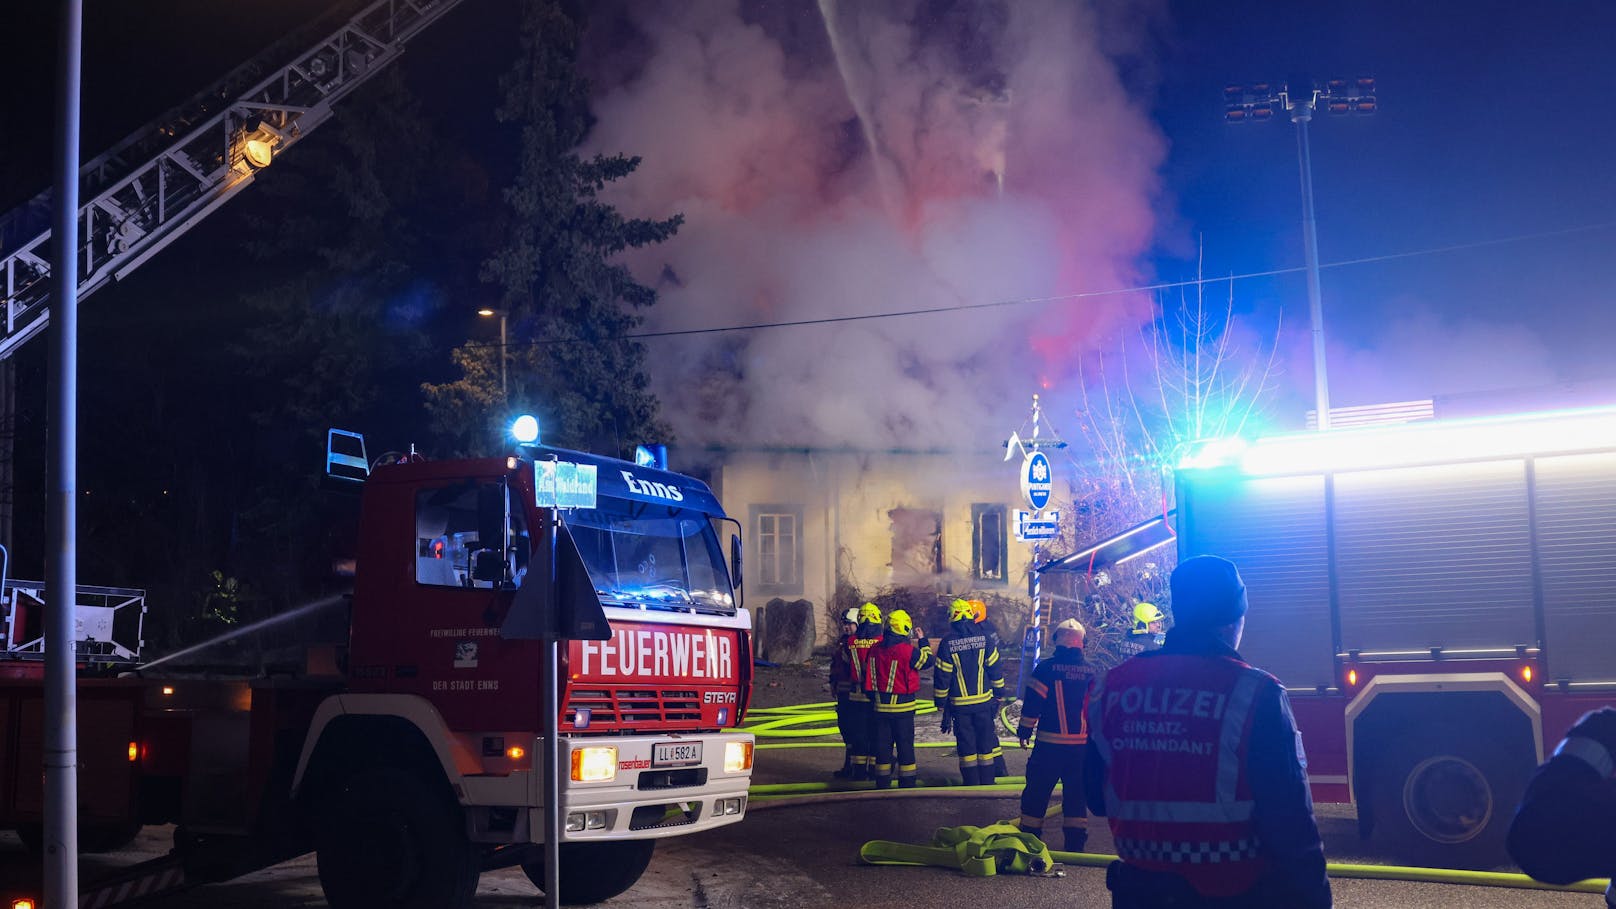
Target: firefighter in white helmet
(1054, 710)
(848, 721)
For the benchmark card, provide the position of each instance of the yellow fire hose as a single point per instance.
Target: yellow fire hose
(792, 723)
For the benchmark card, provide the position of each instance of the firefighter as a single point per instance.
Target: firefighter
(966, 686)
(860, 706)
(1055, 709)
(1565, 828)
(1194, 758)
(1147, 630)
(848, 722)
(979, 611)
(893, 679)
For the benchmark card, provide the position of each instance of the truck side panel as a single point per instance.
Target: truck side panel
(1576, 535)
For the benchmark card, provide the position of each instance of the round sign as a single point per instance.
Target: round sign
(1036, 480)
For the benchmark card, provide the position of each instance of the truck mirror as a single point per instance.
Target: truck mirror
(735, 562)
(488, 565)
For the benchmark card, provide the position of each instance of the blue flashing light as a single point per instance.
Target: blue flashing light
(1410, 444)
(651, 456)
(526, 429)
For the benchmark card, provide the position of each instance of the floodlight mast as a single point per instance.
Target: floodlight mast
(1244, 104)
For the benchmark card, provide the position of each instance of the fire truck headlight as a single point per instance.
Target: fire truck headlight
(737, 756)
(594, 764)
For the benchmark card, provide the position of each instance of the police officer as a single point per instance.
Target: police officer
(1055, 709)
(861, 707)
(1194, 759)
(848, 722)
(893, 680)
(1565, 828)
(966, 686)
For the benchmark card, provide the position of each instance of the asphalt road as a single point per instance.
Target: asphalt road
(796, 857)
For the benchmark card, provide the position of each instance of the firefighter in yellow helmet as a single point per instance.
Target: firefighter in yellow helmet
(1147, 630)
(861, 708)
(1055, 711)
(979, 613)
(894, 667)
(966, 686)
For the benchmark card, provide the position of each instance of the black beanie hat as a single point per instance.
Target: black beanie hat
(1207, 593)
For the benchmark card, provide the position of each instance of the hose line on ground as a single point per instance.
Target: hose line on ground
(784, 795)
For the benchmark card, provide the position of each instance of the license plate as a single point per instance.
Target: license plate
(675, 754)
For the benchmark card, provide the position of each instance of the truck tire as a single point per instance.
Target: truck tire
(595, 872)
(393, 840)
(1444, 798)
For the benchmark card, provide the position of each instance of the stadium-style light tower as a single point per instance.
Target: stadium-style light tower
(1300, 98)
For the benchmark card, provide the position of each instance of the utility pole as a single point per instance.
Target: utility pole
(1252, 103)
(61, 574)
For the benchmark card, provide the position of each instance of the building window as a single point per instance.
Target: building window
(917, 543)
(988, 543)
(777, 536)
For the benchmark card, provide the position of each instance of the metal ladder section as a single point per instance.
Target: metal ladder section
(203, 163)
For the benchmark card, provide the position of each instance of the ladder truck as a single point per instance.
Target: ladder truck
(407, 762)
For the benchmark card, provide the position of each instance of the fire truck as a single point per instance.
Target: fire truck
(407, 762)
(1438, 597)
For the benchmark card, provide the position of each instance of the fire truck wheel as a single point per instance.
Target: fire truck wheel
(1445, 798)
(594, 872)
(393, 840)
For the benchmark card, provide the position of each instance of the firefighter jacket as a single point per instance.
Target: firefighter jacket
(1194, 758)
(841, 667)
(894, 672)
(864, 637)
(1565, 828)
(967, 670)
(1057, 699)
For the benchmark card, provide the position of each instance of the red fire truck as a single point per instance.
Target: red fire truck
(1438, 597)
(409, 764)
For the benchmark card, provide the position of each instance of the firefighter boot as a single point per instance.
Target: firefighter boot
(969, 773)
(846, 773)
(883, 776)
(907, 782)
(984, 772)
(861, 771)
(1032, 825)
(1000, 768)
(1076, 838)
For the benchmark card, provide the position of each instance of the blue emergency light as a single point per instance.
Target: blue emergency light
(526, 429)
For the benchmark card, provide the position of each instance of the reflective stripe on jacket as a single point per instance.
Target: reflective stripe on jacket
(1057, 699)
(894, 673)
(967, 667)
(1175, 731)
(858, 655)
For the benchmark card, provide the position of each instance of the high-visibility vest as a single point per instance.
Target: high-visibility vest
(1175, 730)
(858, 654)
(894, 675)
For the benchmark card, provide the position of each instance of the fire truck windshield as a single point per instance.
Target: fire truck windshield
(652, 556)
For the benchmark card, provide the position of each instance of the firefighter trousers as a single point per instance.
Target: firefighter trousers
(1051, 763)
(850, 723)
(976, 736)
(895, 731)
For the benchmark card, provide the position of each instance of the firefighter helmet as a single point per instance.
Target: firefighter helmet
(851, 616)
(899, 623)
(1069, 633)
(979, 611)
(961, 609)
(871, 613)
(1144, 615)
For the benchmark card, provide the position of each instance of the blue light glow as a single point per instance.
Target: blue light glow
(526, 429)
(1410, 444)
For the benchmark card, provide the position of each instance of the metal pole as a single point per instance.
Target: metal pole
(504, 394)
(550, 700)
(61, 574)
(1300, 115)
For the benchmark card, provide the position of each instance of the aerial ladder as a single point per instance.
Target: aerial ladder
(164, 179)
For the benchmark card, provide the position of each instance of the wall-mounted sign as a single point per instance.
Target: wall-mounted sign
(1036, 525)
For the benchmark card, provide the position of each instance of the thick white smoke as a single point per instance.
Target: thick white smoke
(851, 158)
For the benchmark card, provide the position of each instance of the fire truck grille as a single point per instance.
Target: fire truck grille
(656, 817)
(634, 706)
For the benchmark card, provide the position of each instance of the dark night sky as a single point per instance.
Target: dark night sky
(1495, 121)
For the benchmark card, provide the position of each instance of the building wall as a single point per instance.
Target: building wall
(847, 502)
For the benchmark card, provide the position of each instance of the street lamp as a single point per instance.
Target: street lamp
(1252, 103)
(504, 393)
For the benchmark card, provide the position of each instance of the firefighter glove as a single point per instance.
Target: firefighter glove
(948, 721)
(1024, 735)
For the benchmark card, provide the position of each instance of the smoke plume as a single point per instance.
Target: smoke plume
(845, 158)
